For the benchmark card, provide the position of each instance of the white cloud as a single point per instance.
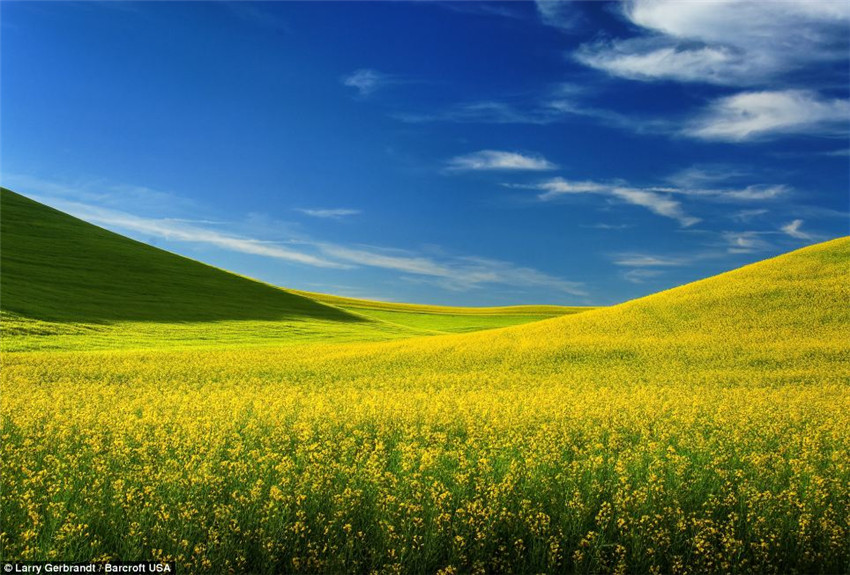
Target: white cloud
(252, 14)
(366, 81)
(755, 115)
(745, 242)
(705, 175)
(557, 105)
(647, 261)
(381, 259)
(485, 112)
(334, 213)
(459, 273)
(501, 9)
(662, 200)
(716, 181)
(649, 60)
(793, 229)
(603, 226)
(747, 215)
(639, 276)
(742, 22)
(559, 186)
(658, 203)
(749, 193)
(558, 13)
(733, 42)
(756, 192)
(486, 160)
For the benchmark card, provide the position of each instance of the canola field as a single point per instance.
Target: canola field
(701, 430)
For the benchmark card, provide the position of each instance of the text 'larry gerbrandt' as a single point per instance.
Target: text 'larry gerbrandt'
(39, 567)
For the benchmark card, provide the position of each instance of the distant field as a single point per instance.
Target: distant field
(705, 429)
(445, 319)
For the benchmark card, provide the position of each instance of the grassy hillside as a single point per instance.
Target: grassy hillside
(58, 268)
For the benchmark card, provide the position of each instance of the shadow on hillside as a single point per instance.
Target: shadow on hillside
(56, 267)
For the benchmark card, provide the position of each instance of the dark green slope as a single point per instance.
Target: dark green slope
(59, 268)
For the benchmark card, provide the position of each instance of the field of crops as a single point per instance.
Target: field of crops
(700, 430)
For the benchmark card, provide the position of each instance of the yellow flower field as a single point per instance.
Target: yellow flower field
(699, 430)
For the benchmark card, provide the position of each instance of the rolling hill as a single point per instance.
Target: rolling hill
(780, 319)
(58, 268)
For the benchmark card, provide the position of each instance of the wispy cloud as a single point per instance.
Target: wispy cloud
(706, 175)
(745, 242)
(485, 112)
(559, 186)
(658, 262)
(653, 59)
(332, 213)
(840, 153)
(722, 183)
(747, 215)
(693, 184)
(561, 103)
(658, 203)
(562, 14)
(759, 115)
(458, 273)
(603, 226)
(483, 8)
(639, 276)
(95, 191)
(634, 260)
(367, 81)
(748, 193)
(793, 229)
(253, 14)
(495, 160)
(741, 117)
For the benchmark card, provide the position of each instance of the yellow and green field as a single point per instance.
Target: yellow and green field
(232, 426)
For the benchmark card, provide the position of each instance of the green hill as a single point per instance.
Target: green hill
(58, 268)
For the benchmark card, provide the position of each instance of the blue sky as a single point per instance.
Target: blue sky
(463, 153)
